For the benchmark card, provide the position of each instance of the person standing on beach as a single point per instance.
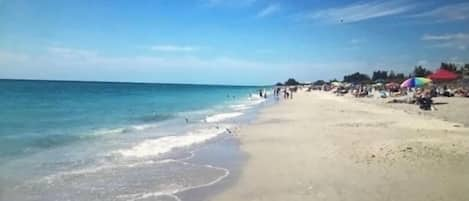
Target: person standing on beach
(291, 93)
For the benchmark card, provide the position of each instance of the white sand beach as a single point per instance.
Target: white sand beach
(322, 147)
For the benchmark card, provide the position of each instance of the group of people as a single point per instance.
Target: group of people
(361, 91)
(287, 92)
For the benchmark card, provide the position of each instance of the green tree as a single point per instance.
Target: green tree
(291, 82)
(333, 80)
(357, 78)
(379, 75)
(392, 76)
(420, 71)
(400, 77)
(450, 67)
(319, 82)
(465, 70)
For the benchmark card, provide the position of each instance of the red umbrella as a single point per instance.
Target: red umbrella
(443, 75)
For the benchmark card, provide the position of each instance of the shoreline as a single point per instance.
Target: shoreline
(153, 149)
(322, 147)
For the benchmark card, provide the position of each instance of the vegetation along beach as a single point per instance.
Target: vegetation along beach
(234, 100)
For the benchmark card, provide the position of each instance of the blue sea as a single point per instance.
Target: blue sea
(63, 140)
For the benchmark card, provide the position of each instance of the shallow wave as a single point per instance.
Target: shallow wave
(111, 131)
(51, 187)
(156, 147)
(101, 132)
(143, 126)
(172, 192)
(222, 116)
(254, 100)
(240, 107)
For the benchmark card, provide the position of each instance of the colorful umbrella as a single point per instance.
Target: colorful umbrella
(443, 75)
(415, 82)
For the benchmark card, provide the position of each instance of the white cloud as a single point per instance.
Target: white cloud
(9, 57)
(71, 52)
(356, 41)
(78, 64)
(174, 48)
(70, 57)
(264, 51)
(446, 37)
(269, 10)
(451, 12)
(455, 40)
(353, 44)
(362, 11)
(422, 62)
(235, 3)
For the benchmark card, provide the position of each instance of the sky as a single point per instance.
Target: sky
(239, 42)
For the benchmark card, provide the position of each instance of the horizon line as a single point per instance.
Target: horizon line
(131, 82)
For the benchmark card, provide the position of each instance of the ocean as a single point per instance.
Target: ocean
(64, 140)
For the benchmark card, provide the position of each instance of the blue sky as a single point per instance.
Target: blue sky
(227, 41)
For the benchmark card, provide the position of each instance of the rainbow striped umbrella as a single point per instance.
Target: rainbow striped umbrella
(415, 82)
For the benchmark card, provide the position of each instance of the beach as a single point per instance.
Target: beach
(319, 146)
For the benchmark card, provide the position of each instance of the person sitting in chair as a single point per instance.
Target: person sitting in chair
(425, 102)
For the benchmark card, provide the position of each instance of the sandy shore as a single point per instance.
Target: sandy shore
(453, 109)
(322, 147)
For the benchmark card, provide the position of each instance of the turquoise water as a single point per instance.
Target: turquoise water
(52, 131)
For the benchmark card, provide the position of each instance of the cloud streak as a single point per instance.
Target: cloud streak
(77, 64)
(451, 12)
(361, 11)
(232, 3)
(454, 40)
(71, 52)
(174, 48)
(269, 10)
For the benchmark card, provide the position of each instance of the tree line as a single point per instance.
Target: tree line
(385, 76)
(391, 76)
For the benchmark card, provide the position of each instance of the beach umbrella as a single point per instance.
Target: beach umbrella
(380, 81)
(415, 82)
(443, 75)
(337, 84)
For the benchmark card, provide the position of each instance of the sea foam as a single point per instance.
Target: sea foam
(240, 107)
(222, 116)
(156, 147)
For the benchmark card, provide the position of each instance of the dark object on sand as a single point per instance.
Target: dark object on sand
(425, 103)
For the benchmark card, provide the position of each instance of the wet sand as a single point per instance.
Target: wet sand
(322, 147)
